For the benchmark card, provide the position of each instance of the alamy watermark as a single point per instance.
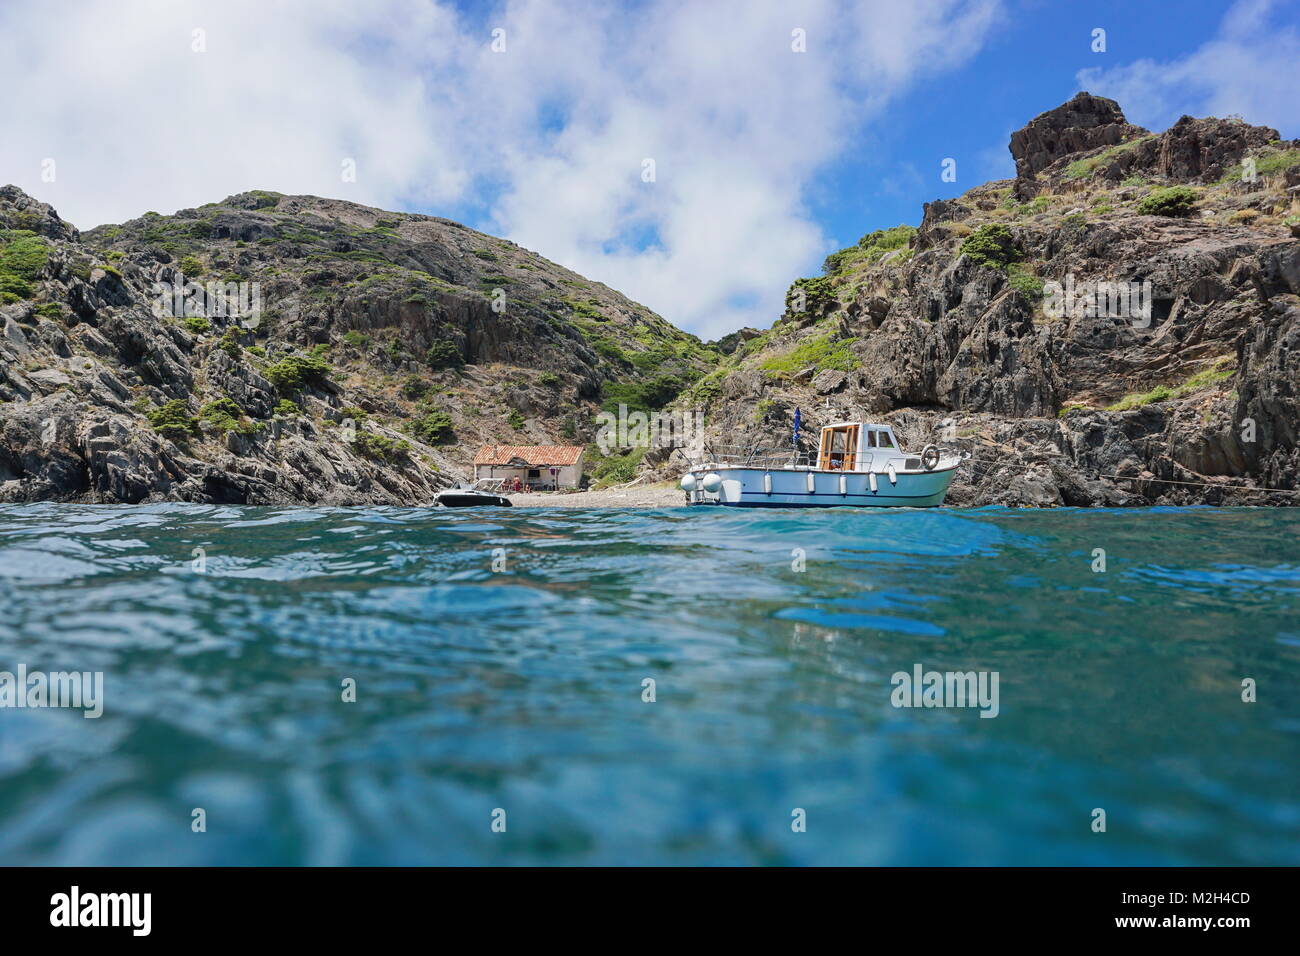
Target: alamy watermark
(1092, 298)
(180, 298)
(80, 689)
(651, 430)
(922, 688)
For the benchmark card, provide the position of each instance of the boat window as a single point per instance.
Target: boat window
(885, 441)
(871, 439)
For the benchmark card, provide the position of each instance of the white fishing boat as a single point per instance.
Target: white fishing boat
(857, 465)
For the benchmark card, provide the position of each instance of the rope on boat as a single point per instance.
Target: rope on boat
(1173, 481)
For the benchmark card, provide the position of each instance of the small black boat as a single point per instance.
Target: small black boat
(472, 497)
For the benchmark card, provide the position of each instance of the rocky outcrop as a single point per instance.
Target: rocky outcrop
(287, 349)
(1084, 123)
(1003, 331)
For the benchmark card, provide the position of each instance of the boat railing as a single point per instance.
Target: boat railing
(739, 456)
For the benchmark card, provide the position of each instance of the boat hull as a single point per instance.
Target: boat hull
(747, 488)
(452, 499)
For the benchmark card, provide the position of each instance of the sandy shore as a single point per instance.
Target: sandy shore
(661, 495)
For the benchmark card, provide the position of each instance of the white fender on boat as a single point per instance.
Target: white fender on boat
(767, 483)
(871, 479)
(893, 476)
(688, 482)
(711, 482)
(812, 484)
(844, 484)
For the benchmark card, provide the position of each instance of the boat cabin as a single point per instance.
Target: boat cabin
(855, 446)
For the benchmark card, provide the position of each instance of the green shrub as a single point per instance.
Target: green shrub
(294, 371)
(225, 416)
(1025, 282)
(433, 427)
(516, 420)
(192, 266)
(229, 343)
(551, 380)
(23, 256)
(287, 409)
(610, 349)
(991, 245)
(588, 309)
(357, 340)
(443, 354)
(414, 387)
(706, 389)
(648, 396)
(173, 420)
(380, 448)
(818, 297)
(869, 249)
(198, 324)
(1172, 201)
(616, 469)
(354, 413)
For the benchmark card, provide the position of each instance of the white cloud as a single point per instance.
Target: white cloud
(548, 136)
(1249, 68)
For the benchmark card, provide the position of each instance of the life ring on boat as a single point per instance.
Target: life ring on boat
(930, 457)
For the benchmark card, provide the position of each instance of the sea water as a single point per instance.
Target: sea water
(702, 686)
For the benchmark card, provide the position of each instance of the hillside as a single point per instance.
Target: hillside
(954, 332)
(387, 346)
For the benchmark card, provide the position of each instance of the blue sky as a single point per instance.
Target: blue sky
(776, 130)
(1031, 63)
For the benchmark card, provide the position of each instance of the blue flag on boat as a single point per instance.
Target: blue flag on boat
(796, 428)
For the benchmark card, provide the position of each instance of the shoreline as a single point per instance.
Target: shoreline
(657, 495)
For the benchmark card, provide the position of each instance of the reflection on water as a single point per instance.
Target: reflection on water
(771, 637)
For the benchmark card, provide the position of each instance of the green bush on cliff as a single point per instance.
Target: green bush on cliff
(229, 343)
(198, 324)
(1025, 282)
(380, 448)
(443, 354)
(990, 245)
(23, 255)
(173, 420)
(226, 416)
(869, 249)
(414, 387)
(294, 371)
(614, 469)
(650, 396)
(1172, 201)
(432, 427)
(810, 296)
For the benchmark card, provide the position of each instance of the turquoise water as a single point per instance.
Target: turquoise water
(521, 689)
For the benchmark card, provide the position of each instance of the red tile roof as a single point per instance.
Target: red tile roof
(535, 455)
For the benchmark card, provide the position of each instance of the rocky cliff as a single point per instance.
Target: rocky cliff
(1118, 325)
(281, 349)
